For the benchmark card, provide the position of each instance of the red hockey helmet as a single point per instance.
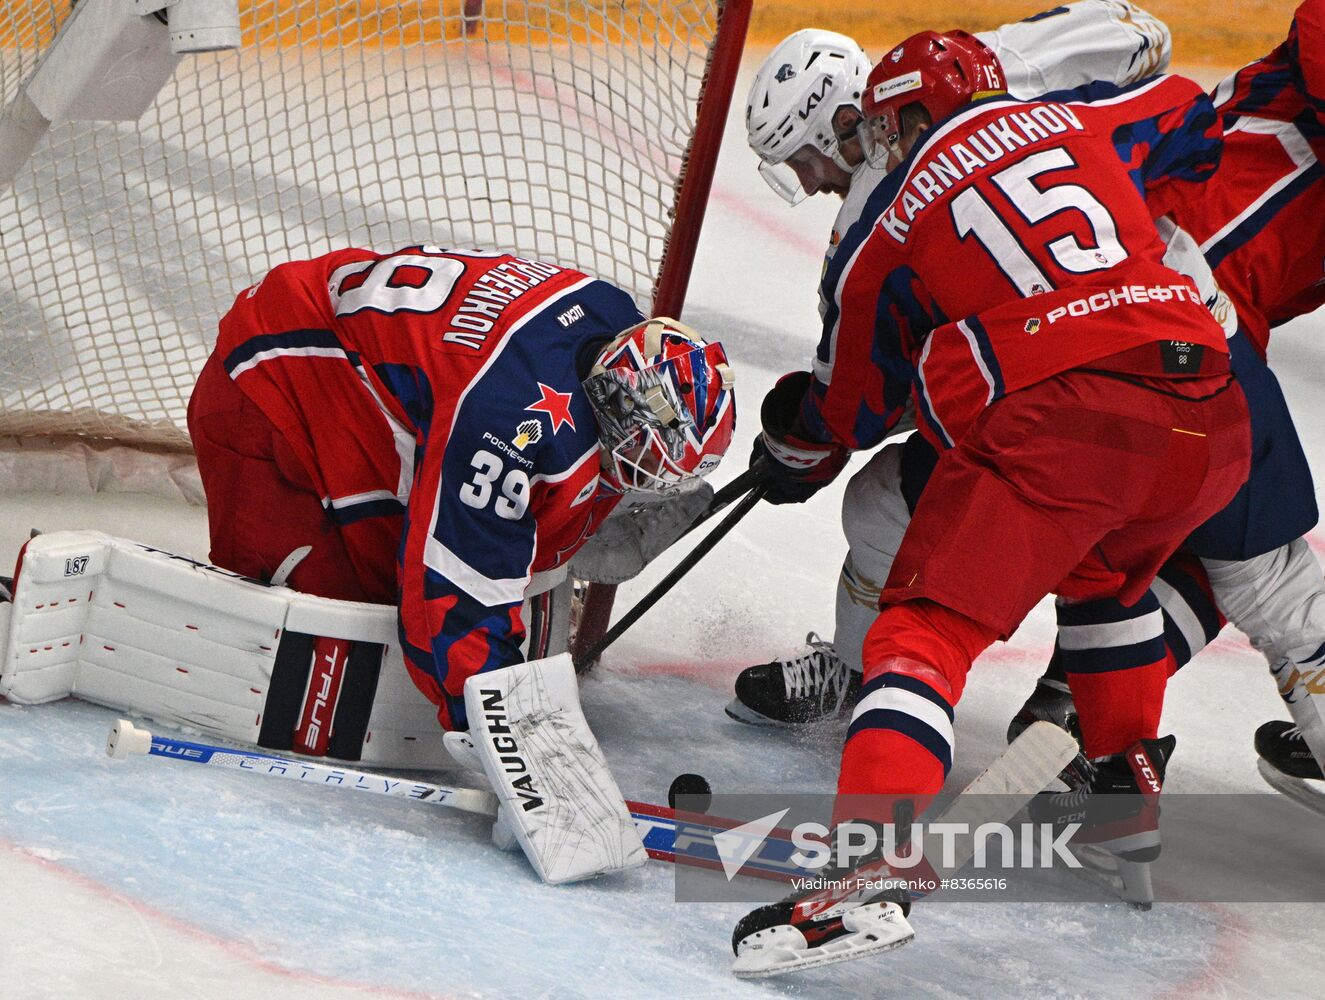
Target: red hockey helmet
(665, 405)
(939, 71)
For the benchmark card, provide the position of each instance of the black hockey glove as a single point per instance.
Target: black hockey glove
(798, 467)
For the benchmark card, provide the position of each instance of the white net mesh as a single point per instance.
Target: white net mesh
(556, 129)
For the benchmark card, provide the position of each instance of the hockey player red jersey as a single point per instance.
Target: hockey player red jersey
(445, 386)
(1045, 210)
(1260, 221)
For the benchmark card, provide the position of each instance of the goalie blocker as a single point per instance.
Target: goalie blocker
(124, 625)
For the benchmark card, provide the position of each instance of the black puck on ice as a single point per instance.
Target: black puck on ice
(691, 784)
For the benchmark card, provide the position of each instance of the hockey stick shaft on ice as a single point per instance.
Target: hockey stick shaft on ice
(127, 740)
(700, 550)
(1027, 766)
(657, 825)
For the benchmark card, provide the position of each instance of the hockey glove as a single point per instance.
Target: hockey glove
(642, 527)
(798, 466)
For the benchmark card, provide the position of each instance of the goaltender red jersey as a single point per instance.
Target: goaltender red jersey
(432, 399)
(1015, 242)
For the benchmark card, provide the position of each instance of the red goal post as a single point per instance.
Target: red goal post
(678, 259)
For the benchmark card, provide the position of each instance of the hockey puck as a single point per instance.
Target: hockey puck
(694, 785)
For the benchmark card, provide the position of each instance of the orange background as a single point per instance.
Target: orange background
(1219, 33)
(1215, 33)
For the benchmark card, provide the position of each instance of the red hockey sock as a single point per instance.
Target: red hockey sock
(1117, 667)
(916, 657)
(1120, 707)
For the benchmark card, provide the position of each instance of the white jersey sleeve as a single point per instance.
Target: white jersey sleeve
(1080, 43)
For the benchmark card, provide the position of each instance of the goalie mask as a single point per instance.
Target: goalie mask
(664, 404)
(940, 72)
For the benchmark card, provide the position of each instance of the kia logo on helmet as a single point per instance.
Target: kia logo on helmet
(784, 73)
(816, 98)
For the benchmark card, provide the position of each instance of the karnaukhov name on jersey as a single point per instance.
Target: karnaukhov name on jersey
(959, 160)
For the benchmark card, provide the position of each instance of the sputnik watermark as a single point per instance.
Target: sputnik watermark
(1024, 845)
(986, 848)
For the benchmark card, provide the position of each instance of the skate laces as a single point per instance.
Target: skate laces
(817, 671)
(1074, 797)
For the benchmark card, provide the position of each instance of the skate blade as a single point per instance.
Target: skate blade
(744, 713)
(1128, 880)
(1305, 792)
(885, 932)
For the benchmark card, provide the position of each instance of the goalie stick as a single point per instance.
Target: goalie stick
(688, 838)
(585, 660)
(657, 824)
(592, 637)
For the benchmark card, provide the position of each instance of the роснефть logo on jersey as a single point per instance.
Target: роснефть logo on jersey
(527, 432)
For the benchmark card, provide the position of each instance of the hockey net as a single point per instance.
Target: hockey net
(565, 130)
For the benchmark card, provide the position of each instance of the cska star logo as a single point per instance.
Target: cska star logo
(556, 405)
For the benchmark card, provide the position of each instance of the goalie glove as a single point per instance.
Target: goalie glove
(558, 799)
(798, 466)
(643, 526)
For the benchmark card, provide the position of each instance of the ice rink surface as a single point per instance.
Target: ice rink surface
(145, 878)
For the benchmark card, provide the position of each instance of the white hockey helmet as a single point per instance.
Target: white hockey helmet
(795, 94)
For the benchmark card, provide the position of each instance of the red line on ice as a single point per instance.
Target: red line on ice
(1222, 958)
(232, 948)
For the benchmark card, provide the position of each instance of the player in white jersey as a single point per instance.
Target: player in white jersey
(802, 115)
(804, 104)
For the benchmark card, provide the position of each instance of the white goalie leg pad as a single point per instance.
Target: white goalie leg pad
(1278, 601)
(127, 626)
(874, 518)
(558, 797)
(137, 629)
(124, 625)
(462, 750)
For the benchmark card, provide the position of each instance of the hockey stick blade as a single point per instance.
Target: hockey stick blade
(1018, 774)
(996, 795)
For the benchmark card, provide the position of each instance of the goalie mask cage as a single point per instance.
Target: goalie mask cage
(568, 130)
